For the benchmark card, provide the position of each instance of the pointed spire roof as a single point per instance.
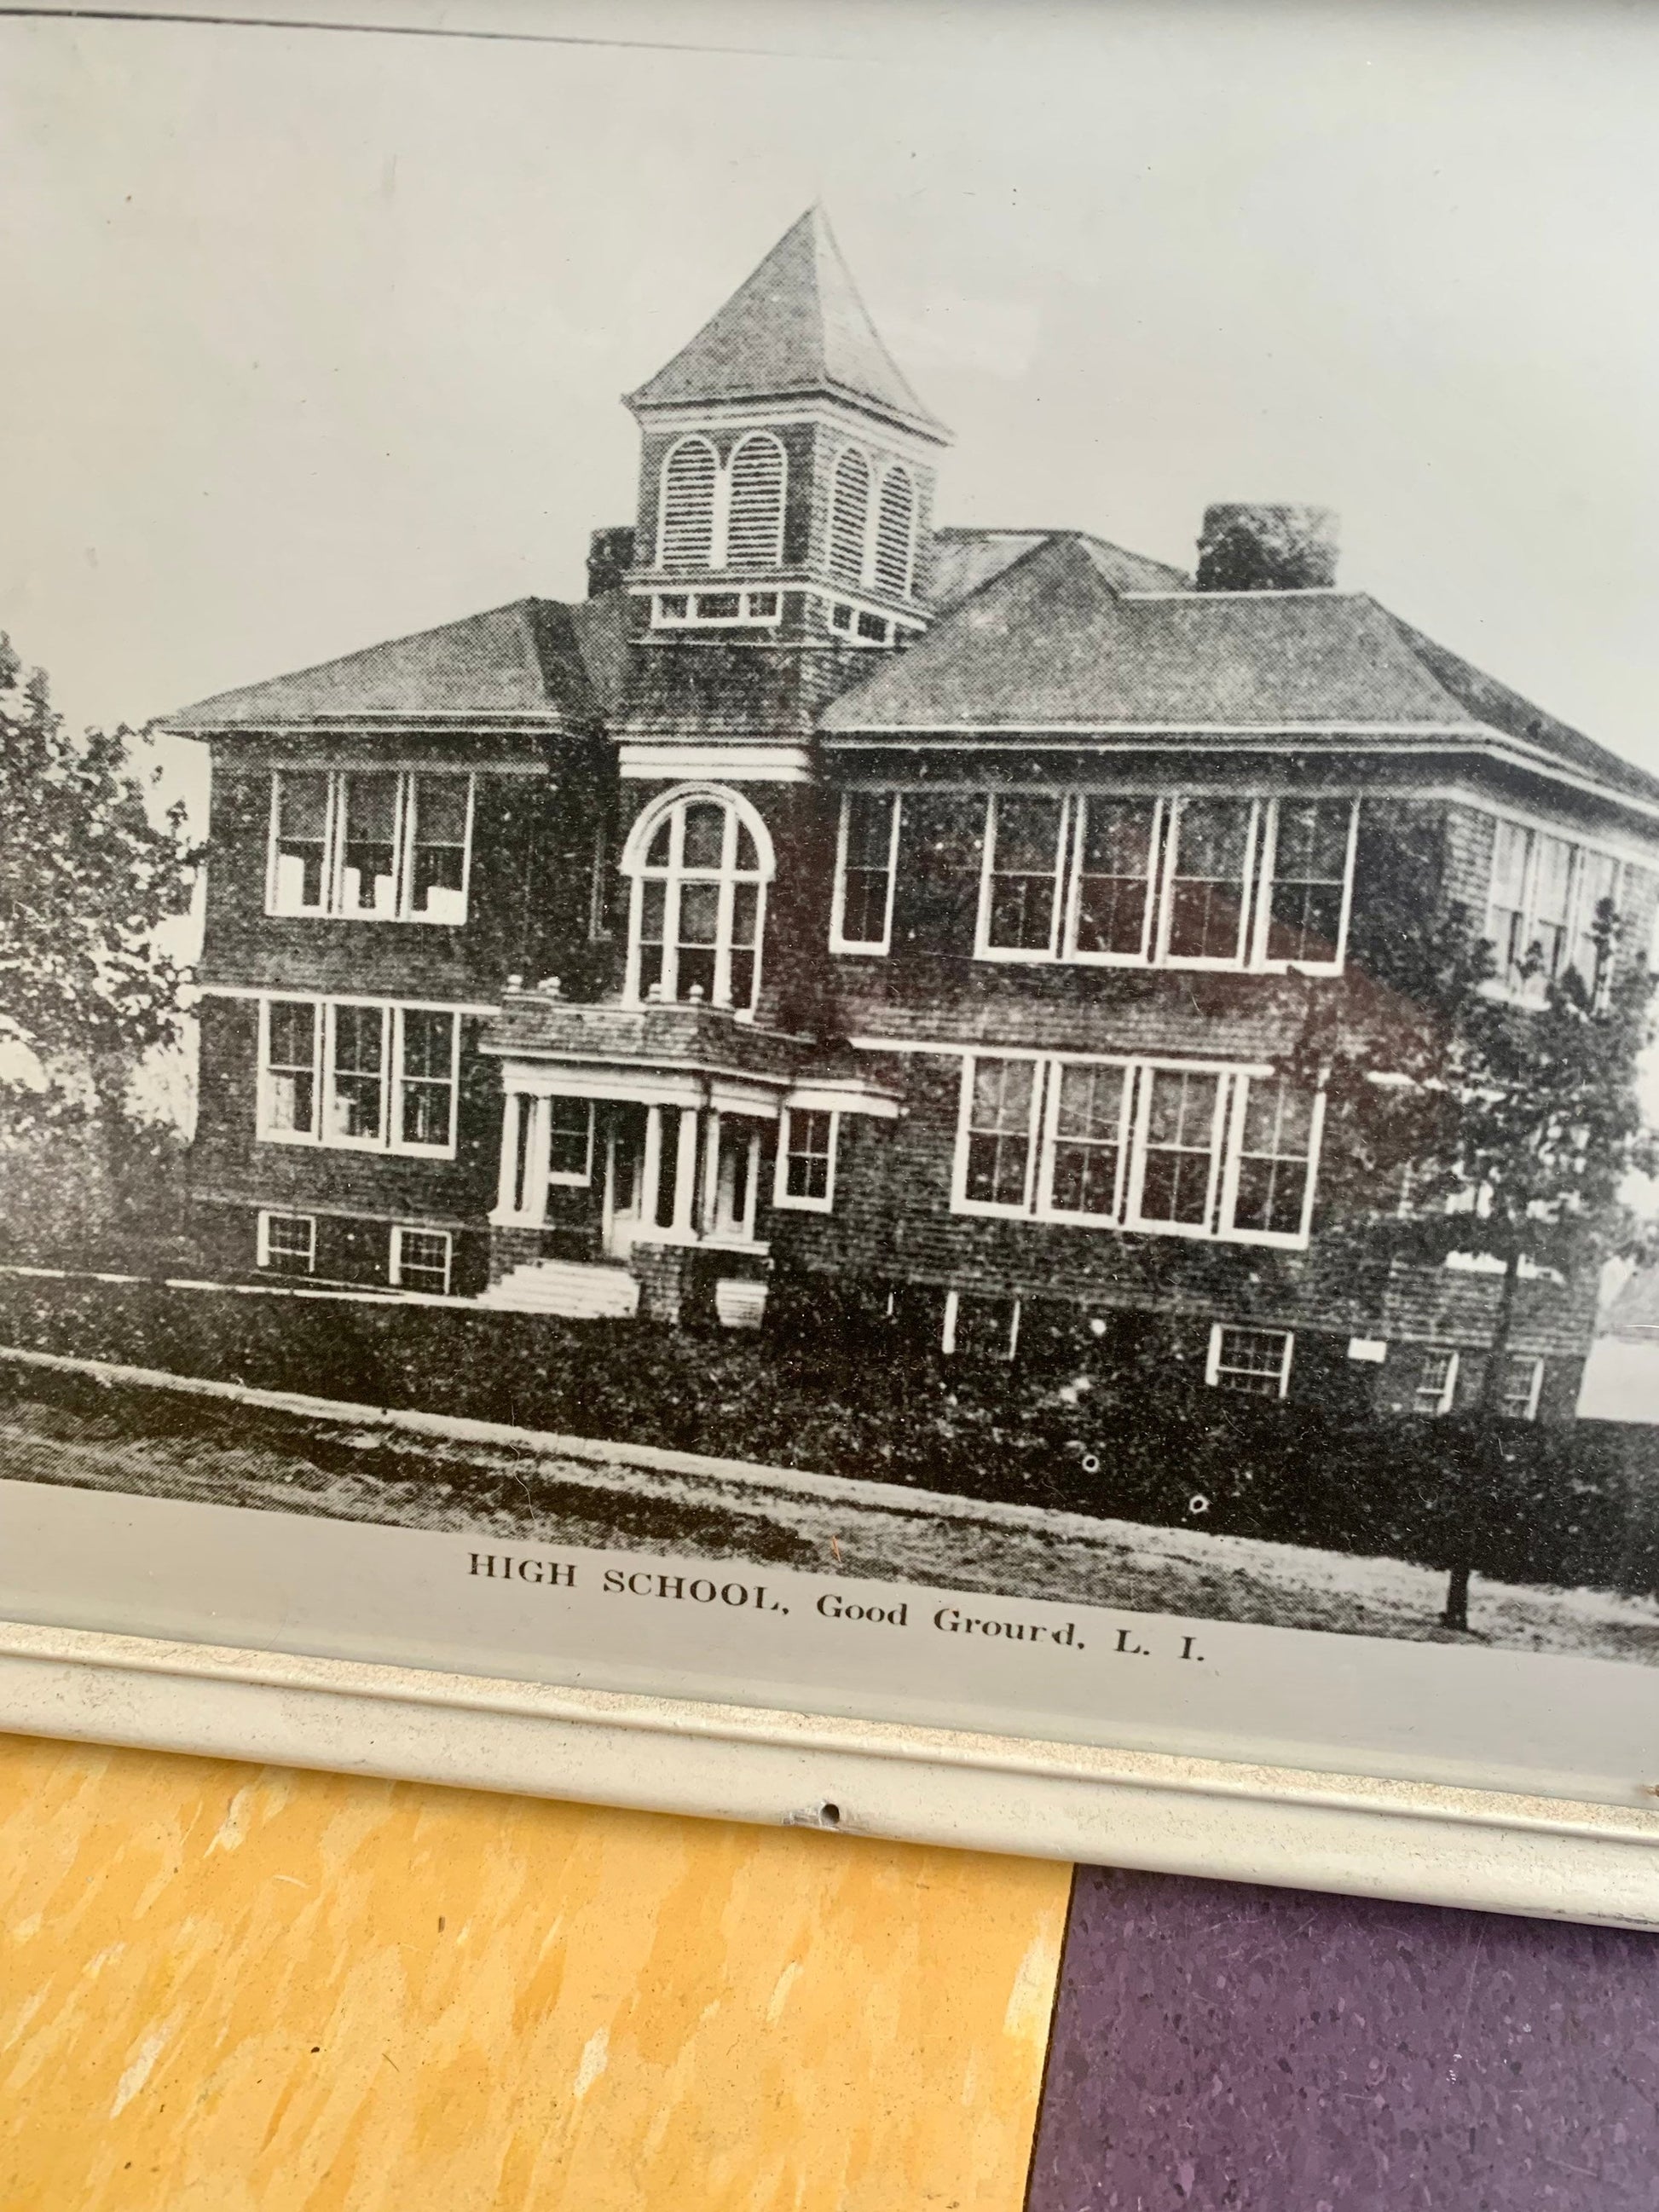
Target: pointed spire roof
(797, 327)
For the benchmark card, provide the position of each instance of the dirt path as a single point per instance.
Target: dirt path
(356, 1472)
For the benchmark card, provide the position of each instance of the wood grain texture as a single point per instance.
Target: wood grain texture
(225, 1989)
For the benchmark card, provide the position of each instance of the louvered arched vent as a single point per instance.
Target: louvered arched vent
(895, 527)
(849, 517)
(754, 530)
(687, 532)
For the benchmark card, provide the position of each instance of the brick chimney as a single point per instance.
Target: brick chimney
(1252, 546)
(609, 558)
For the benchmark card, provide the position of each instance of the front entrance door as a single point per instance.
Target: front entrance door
(624, 1179)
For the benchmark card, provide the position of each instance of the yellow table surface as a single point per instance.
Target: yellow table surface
(228, 1988)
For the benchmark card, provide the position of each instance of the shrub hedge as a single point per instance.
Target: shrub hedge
(1521, 1503)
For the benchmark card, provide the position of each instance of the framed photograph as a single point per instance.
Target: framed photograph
(870, 1089)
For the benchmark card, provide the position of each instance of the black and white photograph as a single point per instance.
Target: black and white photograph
(860, 817)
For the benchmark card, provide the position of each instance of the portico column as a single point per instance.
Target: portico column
(711, 1174)
(506, 1185)
(685, 1176)
(650, 1167)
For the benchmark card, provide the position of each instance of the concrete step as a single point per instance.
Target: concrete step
(566, 1289)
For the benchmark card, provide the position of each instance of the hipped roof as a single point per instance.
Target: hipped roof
(537, 661)
(1061, 639)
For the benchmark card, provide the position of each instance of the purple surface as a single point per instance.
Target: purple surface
(1223, 2049)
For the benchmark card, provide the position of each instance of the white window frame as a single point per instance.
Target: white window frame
(404, 840)
(1215, 1368)
(399, 1231)
(542, 1141)
(270, 1213)
(1535, 1385)
(1223, 1123)
(1250, 886)
(1448, 1392)
(1149, 920)
(782, 1195)
(268, 1133)
(947, 1342)
(1505, 984)
(1019, 955)
(393, 1016)
(1255, 904)
(839, 941)
(1043, 1141)
(635, 867)
(753, 611)
(1268, 872)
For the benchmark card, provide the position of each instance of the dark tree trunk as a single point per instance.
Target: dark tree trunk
(1485, 1455)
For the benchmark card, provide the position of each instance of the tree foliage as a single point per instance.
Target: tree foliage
(88, 874)
(1463, 1118)
(91, 871)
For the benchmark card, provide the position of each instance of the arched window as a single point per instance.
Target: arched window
(895, 525)
(849, 516)
(700, 864)
(685, 534)
(754, 529)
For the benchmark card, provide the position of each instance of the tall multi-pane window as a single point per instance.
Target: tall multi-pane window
(1087, 1146)
(1552, 904)
(386, 845)
(1542, 916)
(685, 532)
(291, 1067)
(1209, 870)
(368, 844)
(869, 853)
(1275, 1158)
(754, 528)
(1023, 861)
(698, 907)
(366, 1075)
(895, 524)
(1146, 1146)
(1117, 865)
(439, 806)
(426, 1076)
(849, 516)
(356, 1074)
(1000, 1126)
(1507, 915)
(300, 830)
(1309, 875)
(1591, 948)
(1178, 1167)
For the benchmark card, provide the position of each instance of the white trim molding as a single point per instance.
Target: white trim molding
(1423, 1843)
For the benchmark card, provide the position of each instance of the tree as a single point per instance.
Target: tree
(89, 873)
(1461, 1118)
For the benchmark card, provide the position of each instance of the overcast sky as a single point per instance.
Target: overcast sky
(313, 339)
